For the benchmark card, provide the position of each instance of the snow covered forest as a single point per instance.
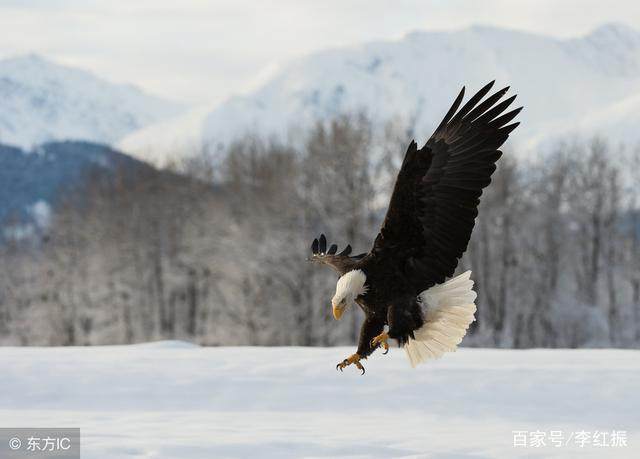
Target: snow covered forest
(212, 248)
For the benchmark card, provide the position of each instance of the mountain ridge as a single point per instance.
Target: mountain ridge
(560, 81)
(32, 182)
(45, 101)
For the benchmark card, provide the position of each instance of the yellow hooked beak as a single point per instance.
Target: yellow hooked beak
(338, 310)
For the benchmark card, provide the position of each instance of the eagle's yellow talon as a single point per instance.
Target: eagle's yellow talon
(353, 359)
(381, 340)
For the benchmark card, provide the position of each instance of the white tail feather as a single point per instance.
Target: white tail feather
(450, 309)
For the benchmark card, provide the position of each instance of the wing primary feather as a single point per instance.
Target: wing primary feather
(323, 243)
(451, 111)
(486, 104)
(340, 263)
(507, 129)
(472, 102)
(495, 111)
(504, 119)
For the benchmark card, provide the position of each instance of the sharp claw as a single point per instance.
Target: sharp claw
(353, 360)
(362, 371)
(381, 341)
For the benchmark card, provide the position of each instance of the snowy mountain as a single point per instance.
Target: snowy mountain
(174, 138)
(44, 101)
(583, 86)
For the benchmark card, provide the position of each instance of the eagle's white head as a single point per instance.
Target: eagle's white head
(349, 287)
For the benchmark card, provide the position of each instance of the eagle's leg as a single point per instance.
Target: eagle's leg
(371, 327)
(352, 359)
(404, 317)
(381, 341)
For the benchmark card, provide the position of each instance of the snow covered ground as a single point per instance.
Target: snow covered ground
(174, 400)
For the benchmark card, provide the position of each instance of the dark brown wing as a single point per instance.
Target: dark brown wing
(435, 200)
(340, 262)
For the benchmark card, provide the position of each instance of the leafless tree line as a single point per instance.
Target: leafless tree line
(213, 250)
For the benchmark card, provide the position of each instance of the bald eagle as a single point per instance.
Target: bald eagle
(402, 282)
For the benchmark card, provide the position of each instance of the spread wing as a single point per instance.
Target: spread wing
(435, 199)
(340, 262)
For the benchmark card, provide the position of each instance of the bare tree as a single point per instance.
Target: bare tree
(213, 249)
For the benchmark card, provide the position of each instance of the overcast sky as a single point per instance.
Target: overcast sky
(199, 52)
